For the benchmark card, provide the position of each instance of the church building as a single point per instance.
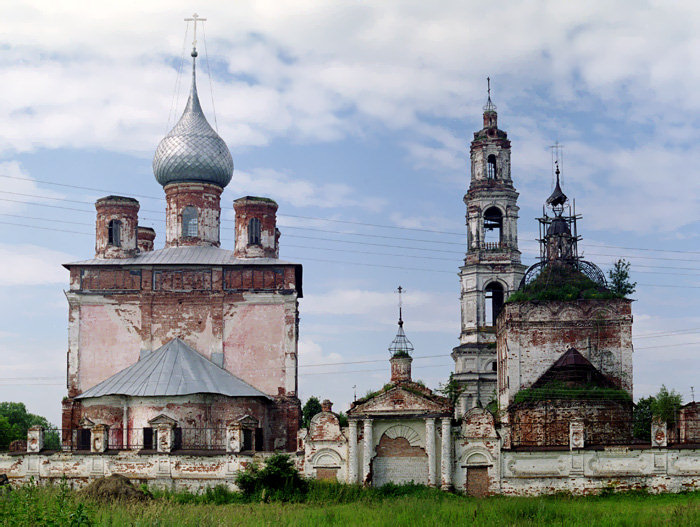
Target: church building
(182, 343)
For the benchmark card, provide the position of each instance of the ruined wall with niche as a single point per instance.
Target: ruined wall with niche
(531, 336)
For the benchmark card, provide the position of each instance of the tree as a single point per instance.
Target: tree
(15, 421)
(342, 419)
(451, 389)
(311, 408)
(666, 405)
(642, 418)
(620, 282)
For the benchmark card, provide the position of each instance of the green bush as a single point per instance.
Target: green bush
(561, 282)
(278, 479)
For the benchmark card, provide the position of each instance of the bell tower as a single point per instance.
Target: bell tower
(492, 268)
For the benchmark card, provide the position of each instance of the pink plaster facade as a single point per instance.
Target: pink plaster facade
(242, 316)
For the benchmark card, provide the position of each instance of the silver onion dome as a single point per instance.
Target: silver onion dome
(192, 151)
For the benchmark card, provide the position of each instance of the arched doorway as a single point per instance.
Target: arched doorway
(400, 459)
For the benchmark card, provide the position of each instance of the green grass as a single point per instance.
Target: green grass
(345, 505)
(559, 390)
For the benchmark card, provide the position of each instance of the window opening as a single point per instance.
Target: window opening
(84, 436)
(259, 438)
(494, 302)
(493, 228)
(494, 366)
(113, 233)
(254, 232)
(247, 440)
(148, 436)
(189, 222)
(491, 167)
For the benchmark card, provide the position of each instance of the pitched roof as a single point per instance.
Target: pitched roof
(572, 367)
(173, 369)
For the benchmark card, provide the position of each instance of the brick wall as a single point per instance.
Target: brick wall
(546, 423)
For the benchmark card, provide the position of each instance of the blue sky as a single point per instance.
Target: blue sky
(357, 112)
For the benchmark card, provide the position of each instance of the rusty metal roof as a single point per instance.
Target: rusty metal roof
(195, 255)
(173, 369)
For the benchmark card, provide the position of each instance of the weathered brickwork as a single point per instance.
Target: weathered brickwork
(531, 336)
(546, 423)
(122, 214)
(265, 212)
(206, 200)
(688, 429)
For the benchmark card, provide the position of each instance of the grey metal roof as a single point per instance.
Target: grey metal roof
(192, 150)
(173, 369)
(194, 255)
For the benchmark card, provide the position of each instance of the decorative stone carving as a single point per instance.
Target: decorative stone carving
(35, 439)
(659, 434)
(99, 438)
(576, 435)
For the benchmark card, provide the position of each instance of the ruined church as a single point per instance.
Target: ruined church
(180, 344)
(182, 361)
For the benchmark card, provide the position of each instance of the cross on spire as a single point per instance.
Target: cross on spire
(400, 290)
(195, 18)
(489, 107)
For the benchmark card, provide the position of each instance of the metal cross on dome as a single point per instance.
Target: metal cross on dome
(195, 18)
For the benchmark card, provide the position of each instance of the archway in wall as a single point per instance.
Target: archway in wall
(400, 459)
(493, 228)
(494, 296)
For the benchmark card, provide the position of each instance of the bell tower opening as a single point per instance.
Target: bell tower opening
(491, 167)
(493, 228)
(494, 302)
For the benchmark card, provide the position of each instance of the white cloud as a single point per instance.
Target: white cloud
(32, 265)
(300, 192)
(18, 186)
(423, 311)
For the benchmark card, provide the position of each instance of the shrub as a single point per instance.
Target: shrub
(666, 405)
(278, 479)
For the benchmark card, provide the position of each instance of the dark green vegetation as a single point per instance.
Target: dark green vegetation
(311, 408)
(335, 504)
(559, 390)
(561, 282)
(15, 421)
(276, 480)
(619, 279)
(400, 354)
(666, 404)
(642, 418)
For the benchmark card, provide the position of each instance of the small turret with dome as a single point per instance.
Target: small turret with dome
(193, 164)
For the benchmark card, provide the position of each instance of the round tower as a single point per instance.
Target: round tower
(115, 227)
(193, 164)
(257, 235)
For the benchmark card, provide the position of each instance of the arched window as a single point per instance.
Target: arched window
(493, 227)
(189, 222)
(494, 302)
(491, 167)
(254, 231)
(114, 233)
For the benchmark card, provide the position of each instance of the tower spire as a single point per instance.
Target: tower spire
(400, 346)
(489, 107)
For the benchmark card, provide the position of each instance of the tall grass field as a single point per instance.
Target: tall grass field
(344, 505)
